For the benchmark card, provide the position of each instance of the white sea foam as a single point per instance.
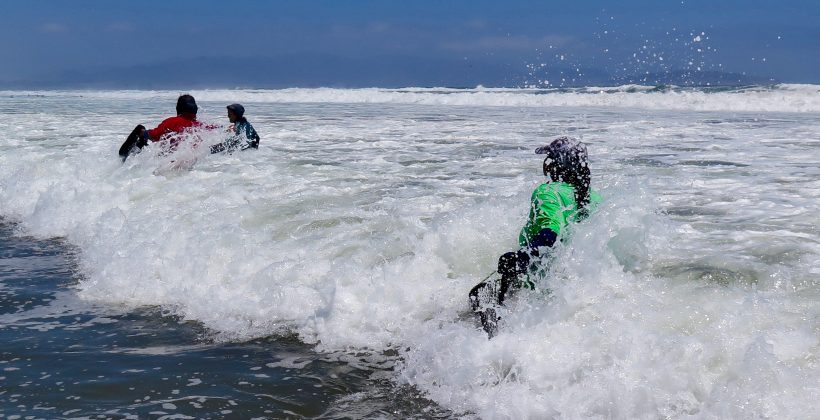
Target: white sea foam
(777, 98)
(366, 215)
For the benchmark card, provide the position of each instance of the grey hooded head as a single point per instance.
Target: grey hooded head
(237, 109)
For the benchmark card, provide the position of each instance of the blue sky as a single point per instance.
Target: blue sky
(456, 42)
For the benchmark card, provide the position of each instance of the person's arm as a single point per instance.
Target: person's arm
(142, 139)
(155, 134)
(253, 138)
(546, 210)
(544, 237)
(543, 225)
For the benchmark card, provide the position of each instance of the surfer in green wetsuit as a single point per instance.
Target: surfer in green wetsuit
(566, 198)
(243, 136)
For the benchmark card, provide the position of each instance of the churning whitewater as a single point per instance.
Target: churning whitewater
(367, 215)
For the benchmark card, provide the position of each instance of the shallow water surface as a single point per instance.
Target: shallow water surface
(66, 358)
(325, 275)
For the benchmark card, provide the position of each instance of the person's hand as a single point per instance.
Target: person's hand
(142, 137)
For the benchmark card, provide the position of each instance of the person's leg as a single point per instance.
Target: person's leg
(510, 266)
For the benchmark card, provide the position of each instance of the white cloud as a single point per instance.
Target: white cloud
(53, 28)
(476, 24)
(378, 27)
(119, 27)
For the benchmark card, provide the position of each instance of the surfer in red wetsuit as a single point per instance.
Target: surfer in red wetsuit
(172, 127)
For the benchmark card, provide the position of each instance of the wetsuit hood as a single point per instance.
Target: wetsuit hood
(186, 104)
(237, 109)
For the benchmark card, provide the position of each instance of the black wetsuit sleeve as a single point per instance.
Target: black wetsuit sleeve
(544, 237)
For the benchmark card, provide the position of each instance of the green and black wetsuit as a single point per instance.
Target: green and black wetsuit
(242, 137)
(552, 209)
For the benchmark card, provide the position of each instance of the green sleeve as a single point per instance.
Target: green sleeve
(552, 207)
(546, 210)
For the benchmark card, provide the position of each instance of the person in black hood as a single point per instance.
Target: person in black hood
(243, 135)
(564, 199)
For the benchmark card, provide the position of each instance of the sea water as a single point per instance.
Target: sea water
(326, 274)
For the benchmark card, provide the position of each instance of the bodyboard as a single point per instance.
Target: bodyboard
(484, 303)
(133, 143)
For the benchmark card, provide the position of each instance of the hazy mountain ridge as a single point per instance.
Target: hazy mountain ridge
(312, 70)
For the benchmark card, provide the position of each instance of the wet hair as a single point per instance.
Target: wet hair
(186, 104)
(567, 161)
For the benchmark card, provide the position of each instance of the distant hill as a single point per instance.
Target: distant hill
(306, 70)
(694, 78)
(296, 70)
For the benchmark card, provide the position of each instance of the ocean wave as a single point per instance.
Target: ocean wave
(775, 98)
